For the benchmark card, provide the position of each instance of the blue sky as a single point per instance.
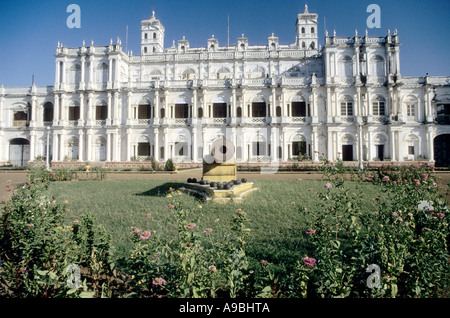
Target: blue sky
(30, 30)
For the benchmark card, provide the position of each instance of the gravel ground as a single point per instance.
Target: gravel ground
(15, 178)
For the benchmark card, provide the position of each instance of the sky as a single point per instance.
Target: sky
(31, 29)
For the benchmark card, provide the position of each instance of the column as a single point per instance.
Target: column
(166, 144)
(194, 105)
(369, 145)
(89, 145)
(430, 144)
(360, 147)
(329, 119)
(128, 149)
(108, 118)
(91, 72)
(156, 155)
(156, 103)
(82, 119)
(115, 146)
(129, 108)
(55, 147)
(285, 145)
(194, 145)
(2, 102)
(116, 109)
(315, 144)
(83, 65)
(108, 147)
(32, 144)
(80, 145)
(64, 110)
(392, 145)
(56, 111)
(57, 74)
(399, 146)
(329, 145)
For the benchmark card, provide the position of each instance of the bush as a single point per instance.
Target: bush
(169, 165)
(404, 246)
(38, 250)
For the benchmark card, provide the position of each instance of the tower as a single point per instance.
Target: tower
(307, 30)
(152, 36)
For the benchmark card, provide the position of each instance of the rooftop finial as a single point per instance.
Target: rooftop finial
(306, 8)
(153, 13)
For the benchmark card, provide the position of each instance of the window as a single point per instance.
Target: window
(19, 119)
(144, 112)
(259, 148)
(181, 110)
(200, 112)
(299, 147)
(346, 109)
(220, 110)
(303, 30)
(303, 44)
(144, 149)
(312, 30)
(258, 109)
(239, 112)
(410, 110)
(145, 50)
(48, 112)
(298, 109)
(154, 35)
(74, 113)
(313, 45)
(410, 150)
(278, 111)
(378, 108)
(101, 112)
(145, 36)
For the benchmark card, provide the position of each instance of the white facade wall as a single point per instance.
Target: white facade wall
(263, 88)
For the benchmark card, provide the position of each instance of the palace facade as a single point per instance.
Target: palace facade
(346, 99)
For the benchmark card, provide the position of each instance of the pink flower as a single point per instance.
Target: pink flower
(148, 214)
(190, 225)
(136, 229)
(309, 261)
(159, 281)
(263, 262)
(424, 176)
(385, 178)
(400, 219)
(394, 214)
(441, 215)
(434, 185)
(170, 206)
(328, 185)
(145, 235)
(212, 268)
(417, 182)
(208, 230)
(310, 231)
(155, 255)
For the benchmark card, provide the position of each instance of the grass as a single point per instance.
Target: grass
(277, 226)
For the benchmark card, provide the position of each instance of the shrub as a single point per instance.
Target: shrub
(169, 165)
(37, 248)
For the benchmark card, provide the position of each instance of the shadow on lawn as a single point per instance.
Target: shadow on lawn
(161, 190)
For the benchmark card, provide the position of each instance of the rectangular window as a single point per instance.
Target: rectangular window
(74, 113)
(346, 109)
(144, 149)
(410, 150)
(220, 110)
(299, 148)
(258, 109)
(298, 109)
(181, 110)
(378, 108)
(101, 112)
(144, 112)
(259, 148)
(410, 111)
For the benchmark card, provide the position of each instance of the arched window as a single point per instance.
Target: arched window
(313, 45)
(312, 30)
(145, 49)
(145, 36)
(303, 30)
(154, 35)
(303, 44)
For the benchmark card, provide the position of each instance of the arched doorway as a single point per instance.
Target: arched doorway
(442, 150)
(19, 151)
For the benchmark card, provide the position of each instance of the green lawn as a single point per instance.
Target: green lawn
(277, 226)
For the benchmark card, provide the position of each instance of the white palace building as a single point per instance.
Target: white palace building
(275, 102)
